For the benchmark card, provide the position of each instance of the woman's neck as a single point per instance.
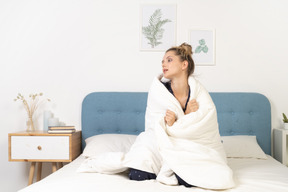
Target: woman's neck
(180, 87)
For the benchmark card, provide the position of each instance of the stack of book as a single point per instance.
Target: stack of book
(61, 129)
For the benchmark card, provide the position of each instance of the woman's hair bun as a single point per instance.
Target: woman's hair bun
(186, 48)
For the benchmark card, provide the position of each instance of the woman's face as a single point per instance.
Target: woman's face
(172, 66)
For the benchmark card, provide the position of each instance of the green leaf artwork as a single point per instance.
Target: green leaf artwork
(154, 31)
(201, 47)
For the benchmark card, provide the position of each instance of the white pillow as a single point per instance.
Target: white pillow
(99, 144)
(242, 146)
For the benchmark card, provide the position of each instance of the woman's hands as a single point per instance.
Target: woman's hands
(192, 106)
(170, 118)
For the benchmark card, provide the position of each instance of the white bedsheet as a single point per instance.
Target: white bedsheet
(251, 175)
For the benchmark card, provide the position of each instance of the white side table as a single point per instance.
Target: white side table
(280, 147)
(39, 147)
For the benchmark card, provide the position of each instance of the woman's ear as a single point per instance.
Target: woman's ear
(184, 65)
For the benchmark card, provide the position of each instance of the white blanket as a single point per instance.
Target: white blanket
(191, 148)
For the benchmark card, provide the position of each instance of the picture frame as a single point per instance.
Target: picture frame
(157, 27)
(203, 46)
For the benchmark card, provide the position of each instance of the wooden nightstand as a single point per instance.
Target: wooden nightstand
(39, 147)
(280, 146)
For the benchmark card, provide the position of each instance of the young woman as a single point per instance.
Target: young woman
(177, 66)
(181, 144)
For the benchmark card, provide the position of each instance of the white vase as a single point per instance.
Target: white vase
(286, 126)
(46, 116)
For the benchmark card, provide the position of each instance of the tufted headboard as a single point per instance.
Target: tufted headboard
(124, 113)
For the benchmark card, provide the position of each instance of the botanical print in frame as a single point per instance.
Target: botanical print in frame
(158, 27)
(203, 46)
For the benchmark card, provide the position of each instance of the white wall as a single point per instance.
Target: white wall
(69, 48)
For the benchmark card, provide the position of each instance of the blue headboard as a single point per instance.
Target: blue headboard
(124, 113)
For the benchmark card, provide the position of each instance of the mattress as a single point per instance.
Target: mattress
(250, 175)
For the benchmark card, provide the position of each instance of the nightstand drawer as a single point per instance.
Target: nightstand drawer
(39, 147)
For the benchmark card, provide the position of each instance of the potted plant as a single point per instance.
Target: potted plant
(285, 120)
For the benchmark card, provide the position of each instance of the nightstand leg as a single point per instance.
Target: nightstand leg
(60, 165)
(31, 173)
(39, 171)
(54, 167)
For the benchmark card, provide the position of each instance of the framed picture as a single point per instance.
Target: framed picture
(203, 46)
(157, 27)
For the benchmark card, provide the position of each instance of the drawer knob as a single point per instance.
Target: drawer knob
(39, 148)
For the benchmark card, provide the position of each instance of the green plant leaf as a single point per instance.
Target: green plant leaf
(198, 49)
(285, 120)
(202, 42)
(205, 49)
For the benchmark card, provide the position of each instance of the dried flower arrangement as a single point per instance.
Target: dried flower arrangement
(31, 106)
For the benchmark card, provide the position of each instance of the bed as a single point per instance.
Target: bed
(245, 128)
